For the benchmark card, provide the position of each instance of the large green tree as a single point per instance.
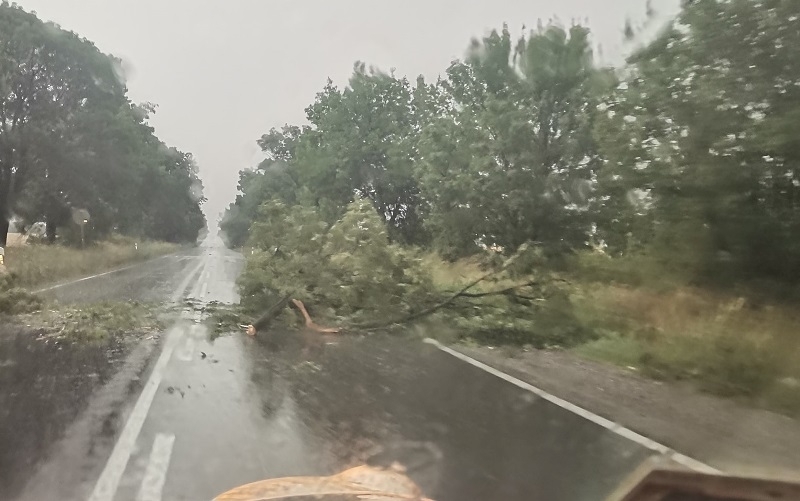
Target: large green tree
(512, 159)
(360, 145)
(270, 181)
(47, 76)
(70, 139)
(702, 158)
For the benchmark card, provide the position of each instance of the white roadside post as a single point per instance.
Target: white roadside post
(81, 218)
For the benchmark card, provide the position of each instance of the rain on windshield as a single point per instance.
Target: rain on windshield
(420, 250)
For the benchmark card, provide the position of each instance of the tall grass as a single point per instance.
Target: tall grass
(723, 343)
(43, 264)
(648, 315)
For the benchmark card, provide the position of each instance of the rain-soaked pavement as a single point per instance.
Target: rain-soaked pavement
(187, 418)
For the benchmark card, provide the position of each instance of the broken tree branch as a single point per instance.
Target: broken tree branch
(498, 292)
(427, 311)
(263, 322)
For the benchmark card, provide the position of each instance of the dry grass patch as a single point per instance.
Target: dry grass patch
(725, 344)
(41, 264)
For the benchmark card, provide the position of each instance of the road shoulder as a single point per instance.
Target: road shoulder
(717, 431)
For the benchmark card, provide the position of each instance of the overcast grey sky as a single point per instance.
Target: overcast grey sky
(223, 73)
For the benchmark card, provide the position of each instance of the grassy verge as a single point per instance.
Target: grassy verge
(724, 344)
(41, 264)
(649, 319)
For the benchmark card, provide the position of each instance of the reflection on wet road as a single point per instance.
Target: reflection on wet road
(213, 415)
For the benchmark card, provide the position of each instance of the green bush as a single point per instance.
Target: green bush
(348, 270)
(15, 300)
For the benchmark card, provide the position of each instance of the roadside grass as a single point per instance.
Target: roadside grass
(39, 264)
(96, 323)
(15, 300)
(725, 345)
(619, 350)
(645, 316)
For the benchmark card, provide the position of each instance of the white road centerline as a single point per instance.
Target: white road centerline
(580, 411)
(106, 487)
(156, 473)
(187, 353)
(107, 484)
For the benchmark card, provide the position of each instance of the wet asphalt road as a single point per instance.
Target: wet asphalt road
(187, 418)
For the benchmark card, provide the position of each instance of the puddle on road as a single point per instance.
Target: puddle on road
(45, 384)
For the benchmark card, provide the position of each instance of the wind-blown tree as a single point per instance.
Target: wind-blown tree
(270, 181)
(86, 164)
(513, 158)
(70, 139)
(47, 76)
(170, 197)
(700, 137)
(360, 145)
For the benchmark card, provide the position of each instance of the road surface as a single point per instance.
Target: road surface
(186, 418)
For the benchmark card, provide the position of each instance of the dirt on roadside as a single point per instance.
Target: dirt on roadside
(719, 432)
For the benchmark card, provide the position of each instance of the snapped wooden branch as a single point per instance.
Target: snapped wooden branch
(463, 292)
(263, 322)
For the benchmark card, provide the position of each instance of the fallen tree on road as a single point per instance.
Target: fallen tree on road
(350, 275)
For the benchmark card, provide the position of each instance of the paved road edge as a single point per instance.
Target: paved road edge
(580, 411)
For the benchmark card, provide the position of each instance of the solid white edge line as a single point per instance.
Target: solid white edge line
(155, 475)
(580, 411)
(58, 286)
(106, 487)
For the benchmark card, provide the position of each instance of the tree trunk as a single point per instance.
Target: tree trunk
(5, 202)
(50, 231)
(4, 224)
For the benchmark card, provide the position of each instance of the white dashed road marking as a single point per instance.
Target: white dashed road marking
(187, 352)
(107, 484)
(106, 487)
(156, 473)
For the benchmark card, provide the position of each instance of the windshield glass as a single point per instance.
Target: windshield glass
(511, 250)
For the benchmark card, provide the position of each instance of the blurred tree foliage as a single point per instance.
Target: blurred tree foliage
(701, 158)
(511, 158)
(348, 270)
(71, 139)
(687, 154)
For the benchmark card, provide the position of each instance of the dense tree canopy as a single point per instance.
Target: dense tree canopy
(688, 152)
(700, 136)
(512, 158)
(70, 139)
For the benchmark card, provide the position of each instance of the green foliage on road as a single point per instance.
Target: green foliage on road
(96, 323)
(347, 270)
(71, 139)
(675, 176)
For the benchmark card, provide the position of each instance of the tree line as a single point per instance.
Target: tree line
(71, 139)
(687, 153)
